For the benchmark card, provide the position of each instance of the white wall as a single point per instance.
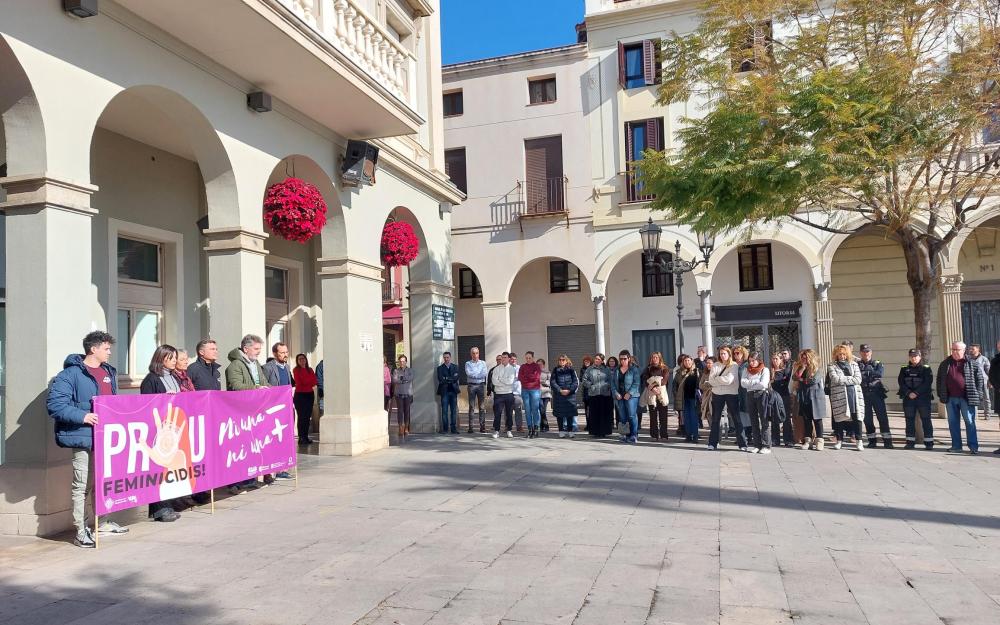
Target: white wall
(533, 309)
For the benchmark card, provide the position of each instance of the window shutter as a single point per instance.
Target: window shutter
(649, 61)
(629, 147)
(621, 65)
(654, 140)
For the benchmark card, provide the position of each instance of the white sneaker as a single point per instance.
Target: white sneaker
(754, 450)
(837, 445)
(860, 446)
(510, 434)
(496, 434)
(744, 449)
(765, 450)
(711, 448)
(562, 434)
(804, 445)
(571, 435)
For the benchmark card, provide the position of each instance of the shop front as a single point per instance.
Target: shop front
(764, 328)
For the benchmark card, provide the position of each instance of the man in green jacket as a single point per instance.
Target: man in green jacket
(244, 373)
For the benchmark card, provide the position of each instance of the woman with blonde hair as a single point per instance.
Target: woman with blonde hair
(807, 386)
(564, 383)
(705, 409)
(846, 400)
(655, 379)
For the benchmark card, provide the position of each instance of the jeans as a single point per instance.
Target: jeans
(449, 410)
(959, 410)
(692, 420)
(875, 407)
(628, 411)
(82, 487)
(531, 399)
(732, 405)
(477, 392)
(503, 402)
(760, 428)
(913, 408)
(403, 404)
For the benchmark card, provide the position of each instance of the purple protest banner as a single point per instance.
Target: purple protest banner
(150, 448)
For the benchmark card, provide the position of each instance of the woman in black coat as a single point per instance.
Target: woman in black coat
(159, 380)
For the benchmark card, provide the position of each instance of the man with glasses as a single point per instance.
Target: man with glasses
(960, 386)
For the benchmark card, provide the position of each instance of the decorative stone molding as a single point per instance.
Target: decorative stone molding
(342, 266)
(822, 291)
(496, 306)
(598, 300)
(952, 283)
(34, 192)
(227, 240)
(430, 287)
(705, 293)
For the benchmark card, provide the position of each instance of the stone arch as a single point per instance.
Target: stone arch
(807, 251)
(334, 235)
(22, 130)
(629, 242)
(525, 262)
(197, 133)
(952, 255)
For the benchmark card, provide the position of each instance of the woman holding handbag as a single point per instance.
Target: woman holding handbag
(686, 397)
(655, 380)
(725, 382)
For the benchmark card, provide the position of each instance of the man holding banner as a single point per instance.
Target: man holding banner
(244, 373)
(70, 403)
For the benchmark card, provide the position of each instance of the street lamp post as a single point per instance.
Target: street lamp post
(677, 267)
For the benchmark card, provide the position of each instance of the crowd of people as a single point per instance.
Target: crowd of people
(762, 401)
(85, 376)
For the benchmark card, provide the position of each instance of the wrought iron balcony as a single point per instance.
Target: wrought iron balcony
(634, 191)
(392, 292)
(543, 196)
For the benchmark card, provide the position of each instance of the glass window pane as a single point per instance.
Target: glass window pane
(120, 350)
(633, 67)
(275, 283)
(145, 339)
(138, 260)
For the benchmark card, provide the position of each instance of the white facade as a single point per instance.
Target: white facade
(821, 289)
(132, 126)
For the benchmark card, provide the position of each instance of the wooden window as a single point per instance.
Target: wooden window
(655, 281)
(756, 271)
(542, 90)
(454, 168)
(752, 45)
(468, 284)
(638, 64)
(564, 277)
(641, 135)
(544, 180)
(453, 104)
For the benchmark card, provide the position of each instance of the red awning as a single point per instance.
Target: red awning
(392, 316)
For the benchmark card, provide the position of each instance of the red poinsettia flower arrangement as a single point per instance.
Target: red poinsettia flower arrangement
(294, 209)
(399, 244)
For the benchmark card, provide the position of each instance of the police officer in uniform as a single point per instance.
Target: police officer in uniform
(874, 392)
(916, 384)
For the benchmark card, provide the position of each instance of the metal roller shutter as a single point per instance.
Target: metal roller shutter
(574, 341)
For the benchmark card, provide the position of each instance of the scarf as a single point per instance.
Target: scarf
(183, 380)
(755, 370)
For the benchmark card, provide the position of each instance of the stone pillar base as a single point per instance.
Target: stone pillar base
(36, 499)
(425, 416)
(352, 435)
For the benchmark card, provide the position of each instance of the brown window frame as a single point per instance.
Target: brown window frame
(542, 83)
(755, 268)
(655, 281)
(460, 99)
(469, 291)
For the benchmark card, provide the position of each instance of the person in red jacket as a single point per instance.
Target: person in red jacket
(530, 377)
(305, 382)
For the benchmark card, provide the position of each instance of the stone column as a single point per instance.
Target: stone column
(599, 322)
(354, 420)
(950, 305)
(706, 321)
(496, 329)
(824, 324)
(51, 305)
(427, 350)
(235, 286)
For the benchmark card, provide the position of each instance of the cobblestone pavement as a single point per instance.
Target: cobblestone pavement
(468, 530)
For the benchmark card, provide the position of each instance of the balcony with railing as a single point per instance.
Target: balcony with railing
(634, 191)
(392, 293)
(542, 197)
(330, 59)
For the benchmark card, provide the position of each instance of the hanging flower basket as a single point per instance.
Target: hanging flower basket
(399, 244)
(294, 209)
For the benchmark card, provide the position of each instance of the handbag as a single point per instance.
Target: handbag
(623, 428)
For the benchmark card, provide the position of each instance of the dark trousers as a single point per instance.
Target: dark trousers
(786, 428)
(477, 393)
(759, 427)
(732, 405)
(875, 407)
(449, 412)
(503, 403)
(841, 429)
(403, 403)
(811, 428)
(911, 410)
(658, 421)
(304, 409)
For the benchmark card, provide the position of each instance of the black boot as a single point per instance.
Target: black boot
(887, 443)
(872, 443)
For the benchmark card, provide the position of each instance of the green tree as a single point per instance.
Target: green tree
(836, 113)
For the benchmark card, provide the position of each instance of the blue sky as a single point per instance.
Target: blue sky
(477, 29)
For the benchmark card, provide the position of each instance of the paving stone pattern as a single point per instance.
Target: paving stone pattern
(467, 530)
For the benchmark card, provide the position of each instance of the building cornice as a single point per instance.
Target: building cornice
(434, 183)
(624, 15)
(501, 64)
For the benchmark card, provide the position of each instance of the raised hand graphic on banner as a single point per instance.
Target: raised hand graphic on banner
(166, 452)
